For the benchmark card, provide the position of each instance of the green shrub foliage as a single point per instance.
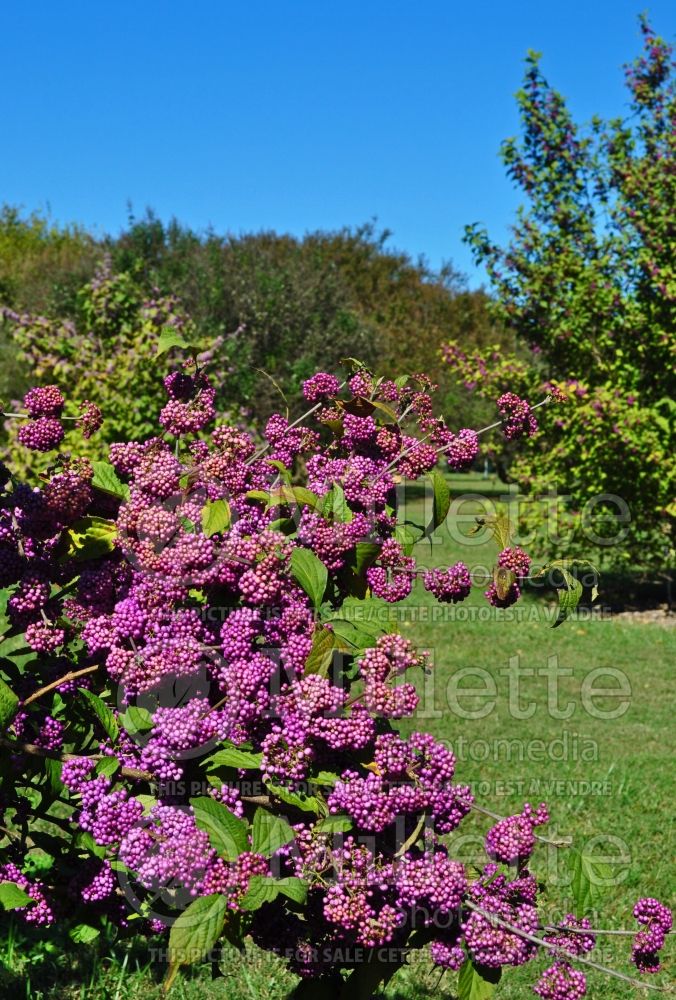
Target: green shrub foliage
(587, 285)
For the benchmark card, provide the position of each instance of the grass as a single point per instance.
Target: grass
(606, 781)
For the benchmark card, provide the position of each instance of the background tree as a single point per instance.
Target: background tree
(266, 303)
(587, 284)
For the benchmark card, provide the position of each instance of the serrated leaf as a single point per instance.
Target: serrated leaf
(108, 766)
(102, 713)
(334, 507)
(589, 882)
(85, 841)
(365, 554)
(216, 517)
(441, 501)
(387, 411)
(477, 982)
(227, 833)
(311, 573)
(320, 656)
(263, 495)
(169, 339)
(9, 704)
(282, 469)
(136, 719)
(12, 897)
(107, 480)
(147, 801)
(269, 832)
(294, 888)
(262, 889)
(334, 824)
(406, 537)
(197, 929)
(88, 538)
(53, 772)
(569, 596)
(300, 800)
(259, 891)
(324, 778)
(234, 757)
(499, 526)
(284, 495)
(83, 933)
(286, 525)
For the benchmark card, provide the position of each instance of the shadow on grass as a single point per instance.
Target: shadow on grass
(41, 963)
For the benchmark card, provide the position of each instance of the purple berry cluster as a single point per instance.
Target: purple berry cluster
(450, 585)
(657, 922)
(561, 982)
(320, 387)
(517, 418)
(512, 840)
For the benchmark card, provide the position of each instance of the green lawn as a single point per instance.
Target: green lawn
(603, 777)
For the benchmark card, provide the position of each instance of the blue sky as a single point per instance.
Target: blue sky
(294, 115)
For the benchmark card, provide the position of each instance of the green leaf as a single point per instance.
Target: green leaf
(262, 889)
(590, 882)
(263, 495)
(366, 554)
(300, 800)
(390, 415)
(269, 832)
(169, 339)
(197, 929)
(227, 832)
(292, 495)
(282, 469)
(294, 888)
(334, 824)
(406, 538)
(12, 897)
(108, 766)
(499, 526)
(9, 704)
(311, 573)
(107, 480)
(324, 778)
(286, 525)
(53, 772)
(441, 501)
(320, 656)
(216, 517)
(85, 841)
(259, 891)
(234, 757)
(83, 934)
(569, 597)
(102, 713)
(88, 538)
(136, 719)
(334, 507)
(147, 801)
(477, 982)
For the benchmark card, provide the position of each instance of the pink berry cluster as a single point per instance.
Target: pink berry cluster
(561, 982)
(512, 840)
(449, 585)
(657, 922)
(44, 430)
(517, 418)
